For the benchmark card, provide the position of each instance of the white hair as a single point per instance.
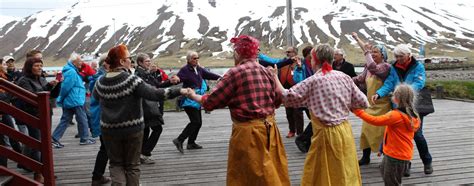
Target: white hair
(74, 56)
(402, 49)
(340, 51)
(191, 54)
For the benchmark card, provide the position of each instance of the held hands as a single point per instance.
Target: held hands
(296, 60)
(188, 92)
(374, 98)
(54, 82)
(273, 69)
(174, 79)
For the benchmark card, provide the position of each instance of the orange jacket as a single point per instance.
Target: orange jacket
(399, 133)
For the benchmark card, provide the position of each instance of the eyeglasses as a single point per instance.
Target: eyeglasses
(195, 58)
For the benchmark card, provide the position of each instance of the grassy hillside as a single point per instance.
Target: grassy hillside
(353, 55)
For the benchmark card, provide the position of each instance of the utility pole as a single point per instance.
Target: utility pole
(115, 34)
(289, 26)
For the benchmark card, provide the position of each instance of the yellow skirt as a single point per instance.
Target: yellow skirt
(371, 136)
(332, 157)
(256, 154)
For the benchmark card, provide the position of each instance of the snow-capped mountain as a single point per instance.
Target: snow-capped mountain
(167, 27)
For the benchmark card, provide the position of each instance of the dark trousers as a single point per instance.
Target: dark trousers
(191, 130)
(295, 119)
(30, 152)
(308, 131)
(150, 140)
(8, 120)
(123, 151)
(3, 160)
(421, 143)
(100, 161)
(392, 170)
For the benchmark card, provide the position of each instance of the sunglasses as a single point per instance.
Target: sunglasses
(399, 56)
(195, 58)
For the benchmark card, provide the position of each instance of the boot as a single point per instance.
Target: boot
(365, 160)
(38, 177)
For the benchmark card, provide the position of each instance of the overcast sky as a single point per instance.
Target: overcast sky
(22, 8)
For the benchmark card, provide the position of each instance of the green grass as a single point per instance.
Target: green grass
(455, 88)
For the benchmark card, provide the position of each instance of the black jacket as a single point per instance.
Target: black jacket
(345, 67)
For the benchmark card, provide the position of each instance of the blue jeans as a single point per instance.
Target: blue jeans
(66, 118)
(421, 144)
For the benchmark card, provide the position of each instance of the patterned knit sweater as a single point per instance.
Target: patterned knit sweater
(120, 96)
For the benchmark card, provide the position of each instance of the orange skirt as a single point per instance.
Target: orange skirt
(256, 154)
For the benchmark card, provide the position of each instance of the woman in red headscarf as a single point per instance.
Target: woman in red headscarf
(329, 95)
(256, 152)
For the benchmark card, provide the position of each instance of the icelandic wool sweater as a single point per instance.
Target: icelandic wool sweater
(120, 96)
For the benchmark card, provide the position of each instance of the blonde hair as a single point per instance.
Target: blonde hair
(406, 97)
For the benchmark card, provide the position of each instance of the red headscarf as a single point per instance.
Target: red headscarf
(326, 67)
(246, 46)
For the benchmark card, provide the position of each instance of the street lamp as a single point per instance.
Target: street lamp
(115, 34)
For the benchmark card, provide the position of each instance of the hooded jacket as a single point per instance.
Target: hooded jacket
(399, 133)
(73, 91)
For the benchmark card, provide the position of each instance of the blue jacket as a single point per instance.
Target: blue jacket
(265, 60)
(303, 72)
(73, 92)
(95, 106)
(414, 76)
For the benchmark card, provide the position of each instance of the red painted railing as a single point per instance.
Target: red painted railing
(41, 122)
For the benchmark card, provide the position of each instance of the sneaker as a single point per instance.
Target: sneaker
(87, 142)
(428, 169)
(290, 135)
(179, 145)
(193, 146)
(57, 145)
(146, 160)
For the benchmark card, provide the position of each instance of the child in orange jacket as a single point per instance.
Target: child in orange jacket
(402, 123)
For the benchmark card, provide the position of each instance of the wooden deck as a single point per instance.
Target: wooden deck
(449, 132)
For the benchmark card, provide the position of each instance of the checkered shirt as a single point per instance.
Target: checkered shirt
(249, 91)
(330, 97)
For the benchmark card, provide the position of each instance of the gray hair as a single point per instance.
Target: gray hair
(340, 51)
(141, 57)
(402, 49)
(191, 54)
(74, 56)
(324, 52)
(102, 59)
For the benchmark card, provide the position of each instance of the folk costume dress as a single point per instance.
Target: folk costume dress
(256, 151)
(332, 157)
(373, 76)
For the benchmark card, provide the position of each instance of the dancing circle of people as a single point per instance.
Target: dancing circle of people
(123, 107)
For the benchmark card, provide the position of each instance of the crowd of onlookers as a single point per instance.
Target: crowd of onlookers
(122, 105)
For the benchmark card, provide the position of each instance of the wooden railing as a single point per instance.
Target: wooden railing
(42, 122)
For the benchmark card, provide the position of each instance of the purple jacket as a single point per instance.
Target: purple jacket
(190, 79)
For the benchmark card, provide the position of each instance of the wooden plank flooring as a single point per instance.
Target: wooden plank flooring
(449, 132)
